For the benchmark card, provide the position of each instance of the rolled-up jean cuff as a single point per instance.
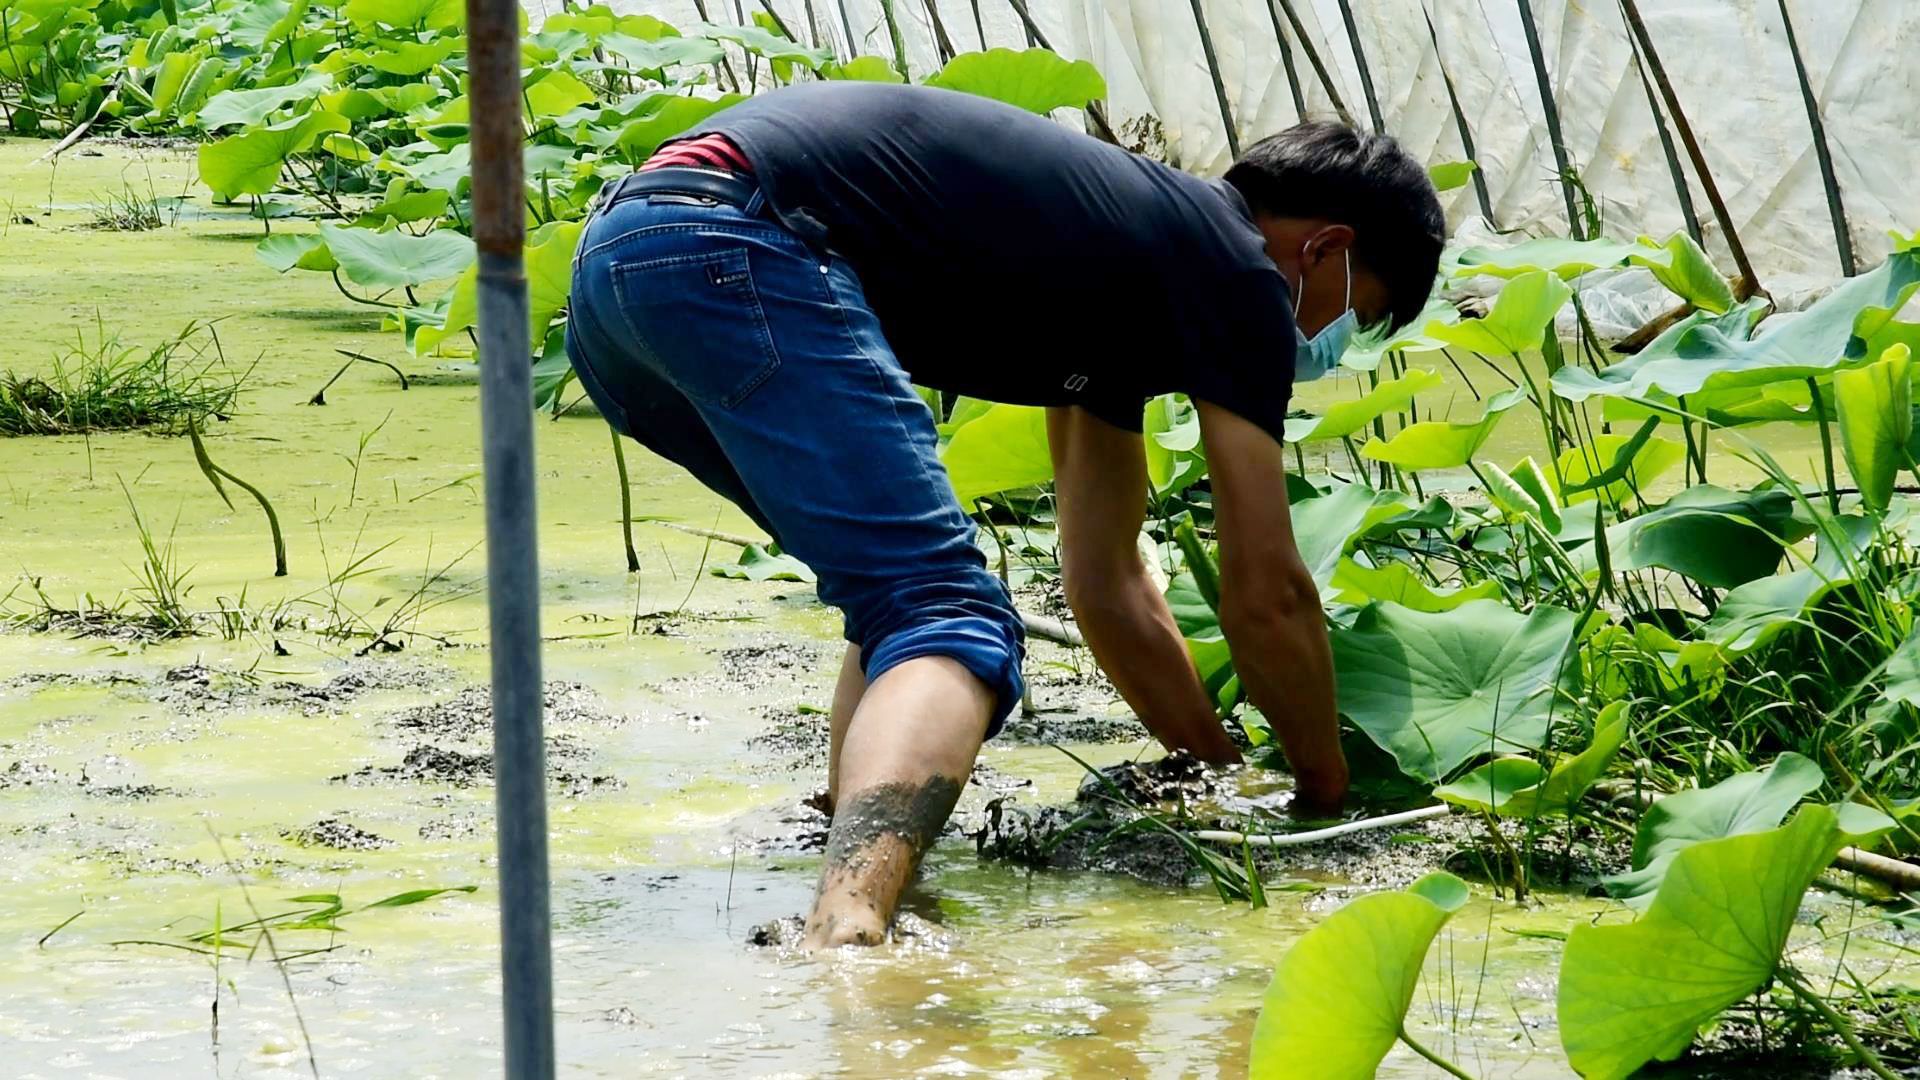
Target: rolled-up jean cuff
(986, 648)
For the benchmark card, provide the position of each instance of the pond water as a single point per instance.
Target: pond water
(159, 790)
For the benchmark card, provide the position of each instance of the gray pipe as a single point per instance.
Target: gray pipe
(513, 572)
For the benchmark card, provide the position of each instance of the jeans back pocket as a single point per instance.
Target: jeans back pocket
(698, 318)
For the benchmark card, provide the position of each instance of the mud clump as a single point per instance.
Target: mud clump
(429, 764)
(337, 834)
(1122, 821)
(197, 688)
(908, 930)
(751, 665)
(801, 738)
(468, 713)
(1068, 726)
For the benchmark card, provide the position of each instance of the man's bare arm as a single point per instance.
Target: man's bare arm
(1100, 478)
(1270, 607)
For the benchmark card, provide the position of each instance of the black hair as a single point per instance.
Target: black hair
(1321, 169)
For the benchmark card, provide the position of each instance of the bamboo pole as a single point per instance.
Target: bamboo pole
(1748, 284)
(1319, 64)
(1680, 188)
(1219, 81)
(1466, 130)
(1552, 109)
(1360, 62)
(513, 575)
(1286, 61)
(1836, 207)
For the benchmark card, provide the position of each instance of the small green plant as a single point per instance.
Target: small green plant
(162, 589)
(130, 210)
(103, 384)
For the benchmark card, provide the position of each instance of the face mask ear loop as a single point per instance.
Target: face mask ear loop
(1349, 254)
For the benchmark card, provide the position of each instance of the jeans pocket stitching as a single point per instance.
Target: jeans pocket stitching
(751, 308)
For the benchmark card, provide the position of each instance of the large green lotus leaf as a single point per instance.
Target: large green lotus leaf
(756, 563)
(1717, 537)
(1347, 417)
(405, 206)
(1757, 612)
(1555, 255)
(1036, 80)
(760, 40)
(1520, 787)
(249, 163)
(1443, 444)
(1875, 404)
(664, 52)
(296, 251)
(549, 262)
(410, 57)
(1725, 351)
(1521, 317)
(395, 260)
(1174, 462)
(1369, 346)
(1339, 998)
(664, 117)
(1325, 528)
(1636, 992)
(247, 107)
(1003, 450)
(446, 171)
(1686, 271)
(1743, 803)
(1782, 402)
(1436, 689)
(406, 98)
(1602, 457)
(558, 92)
(1396, 581)
(408, 14)
(864, 69)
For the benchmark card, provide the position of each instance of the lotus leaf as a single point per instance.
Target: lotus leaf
(1036, 80)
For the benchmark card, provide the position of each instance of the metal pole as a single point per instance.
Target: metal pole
(513, 575)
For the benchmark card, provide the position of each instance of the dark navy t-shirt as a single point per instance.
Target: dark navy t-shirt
(1013, 259)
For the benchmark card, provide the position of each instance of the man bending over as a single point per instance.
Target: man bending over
(757, 303)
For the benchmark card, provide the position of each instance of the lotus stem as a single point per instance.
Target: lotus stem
(894, 36)
(1447, 1066)
(1826, 445)
(626, 501)
(1314, 836)
(1837, 1022)
(215, 473)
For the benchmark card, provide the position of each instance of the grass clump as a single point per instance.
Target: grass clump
(105, 385)
(131, 211)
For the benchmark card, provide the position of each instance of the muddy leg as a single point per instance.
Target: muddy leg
(908, 749)
(846, 697)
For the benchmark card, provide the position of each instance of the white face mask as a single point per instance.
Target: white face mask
(1313, 358)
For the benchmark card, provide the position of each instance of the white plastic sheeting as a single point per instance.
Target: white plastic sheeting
(1728, 59)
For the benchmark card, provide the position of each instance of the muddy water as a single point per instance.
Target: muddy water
(162, 789)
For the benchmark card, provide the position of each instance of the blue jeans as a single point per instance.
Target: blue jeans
(720, 340)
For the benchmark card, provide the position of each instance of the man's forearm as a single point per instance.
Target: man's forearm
(1285, 663)
(1134, 638)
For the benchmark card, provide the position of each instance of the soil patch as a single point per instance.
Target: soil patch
(468, 713)
(340, 835)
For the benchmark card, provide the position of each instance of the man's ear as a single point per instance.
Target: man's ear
(1329, 242)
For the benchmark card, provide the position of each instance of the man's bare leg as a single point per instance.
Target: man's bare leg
(907, 752)
(846, 698)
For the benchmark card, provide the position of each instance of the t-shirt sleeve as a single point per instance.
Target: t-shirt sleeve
(1241, 359)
